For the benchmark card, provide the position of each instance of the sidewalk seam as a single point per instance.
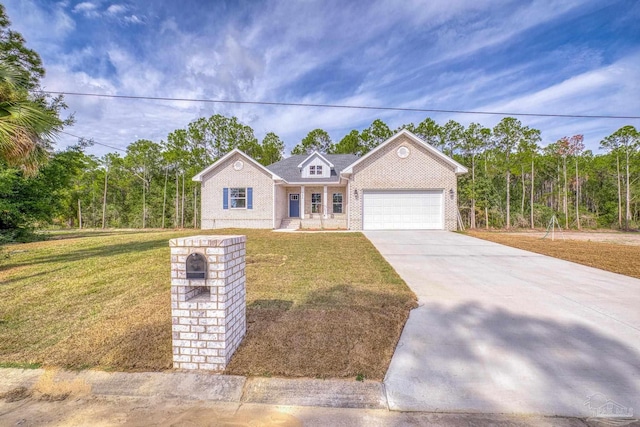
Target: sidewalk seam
(244, 391)
(384, 395)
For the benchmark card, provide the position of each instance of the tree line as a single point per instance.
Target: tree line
(513, 181)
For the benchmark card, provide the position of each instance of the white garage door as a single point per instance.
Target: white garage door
(407, 210)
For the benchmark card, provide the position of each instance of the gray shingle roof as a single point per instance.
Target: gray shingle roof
(287, 169)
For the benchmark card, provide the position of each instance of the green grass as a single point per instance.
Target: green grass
(318, 305)
(20, 365)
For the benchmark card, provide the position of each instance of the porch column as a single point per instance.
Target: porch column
(302, 202)
(324, 205)
(347, 204)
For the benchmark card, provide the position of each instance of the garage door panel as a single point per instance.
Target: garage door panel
(410, 210)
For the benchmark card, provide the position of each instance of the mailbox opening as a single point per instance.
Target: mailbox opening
(196, 266)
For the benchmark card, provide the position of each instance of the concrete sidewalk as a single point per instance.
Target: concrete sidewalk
(53, 397)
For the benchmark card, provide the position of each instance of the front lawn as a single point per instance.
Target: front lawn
(318, 305)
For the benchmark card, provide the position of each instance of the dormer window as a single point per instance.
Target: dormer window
(315, 166)
(315, 170)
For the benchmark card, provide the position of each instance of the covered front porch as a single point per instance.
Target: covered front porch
(315, 207)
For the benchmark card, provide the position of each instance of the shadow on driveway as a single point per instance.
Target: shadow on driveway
(483, 359)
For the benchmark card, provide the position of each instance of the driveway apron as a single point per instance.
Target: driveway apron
(504, 330)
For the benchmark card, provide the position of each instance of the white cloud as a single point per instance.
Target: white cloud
(87, 9)
(602, 88)
(44, 29)
(86, 6)
(116, 9)
(610, 90)
(133, 19)
(294, 51)
(115, 122)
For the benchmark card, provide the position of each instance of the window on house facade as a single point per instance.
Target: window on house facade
(337, 202)
(316, 203)
(319, 170)
(312, 170)
(238, 198)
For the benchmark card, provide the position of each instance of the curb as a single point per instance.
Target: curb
(202, 386)
(315, 402)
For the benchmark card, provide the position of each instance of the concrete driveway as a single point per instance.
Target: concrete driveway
(504, 330)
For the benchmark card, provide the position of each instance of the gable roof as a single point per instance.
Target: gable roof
(289, 169)
(218, 162)
(459, 169)
(318, 154)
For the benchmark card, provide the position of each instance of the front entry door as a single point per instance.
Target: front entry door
(294, 205)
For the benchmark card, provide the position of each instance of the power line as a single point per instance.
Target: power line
(355, 107)
(92, 141)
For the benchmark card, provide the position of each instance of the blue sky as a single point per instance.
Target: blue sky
(538, 56)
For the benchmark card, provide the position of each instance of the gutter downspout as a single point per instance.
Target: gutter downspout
(302, 202)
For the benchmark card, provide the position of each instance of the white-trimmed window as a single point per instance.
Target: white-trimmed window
(319, 170)
(316, 202)
(238, 198)
(337, 203)
(312, 169)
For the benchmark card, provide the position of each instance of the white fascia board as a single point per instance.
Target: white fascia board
(459, 169)
(198, 177)
(316, 153)
(313, 184)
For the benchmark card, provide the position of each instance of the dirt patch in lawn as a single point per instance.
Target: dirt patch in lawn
(318, 304)
(619, 258)
(604, 236)
(322, 342)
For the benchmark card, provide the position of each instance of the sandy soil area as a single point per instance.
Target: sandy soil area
(593, 236)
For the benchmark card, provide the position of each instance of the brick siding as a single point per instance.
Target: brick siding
(282, 205)
(384, 170)
(225, 176)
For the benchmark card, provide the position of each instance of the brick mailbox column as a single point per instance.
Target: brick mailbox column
(208, 306)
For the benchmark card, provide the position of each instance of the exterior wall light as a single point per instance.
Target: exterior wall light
(452, 194)
(355, 193)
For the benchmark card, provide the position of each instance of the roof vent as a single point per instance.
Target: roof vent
(403, 152)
